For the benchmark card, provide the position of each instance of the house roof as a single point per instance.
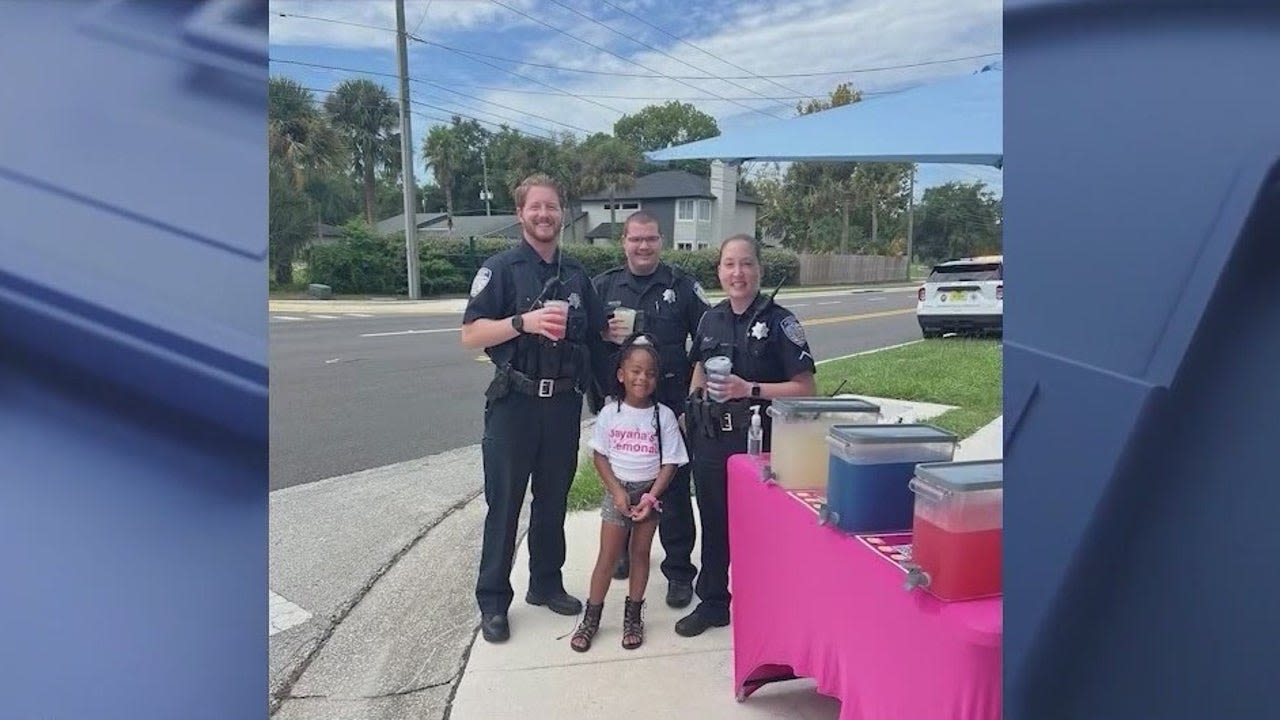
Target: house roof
(668, 184)
(476, 225)
(395, 224)
(603, 231)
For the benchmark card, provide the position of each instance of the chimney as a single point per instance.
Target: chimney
(724, 188)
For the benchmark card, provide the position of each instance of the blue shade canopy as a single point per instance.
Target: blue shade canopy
(959, 120)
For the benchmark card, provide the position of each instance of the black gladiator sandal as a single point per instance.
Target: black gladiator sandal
(632, 625)
(586, 632)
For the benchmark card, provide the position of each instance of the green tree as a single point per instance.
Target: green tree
(656, 127)
(290, 222)
(364, 113)
(443, 150)
(609, 163)
(301, 148)
(957, 220)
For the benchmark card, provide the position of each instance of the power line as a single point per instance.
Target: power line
(816, 73)
(695, 47)
(589, 44)
(442, 87)
(445, 110)
(425, 8)
(463, 53)
(659, 50)
(709, 98)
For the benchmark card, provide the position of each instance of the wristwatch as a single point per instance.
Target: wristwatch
(517, 322)
(755, 389)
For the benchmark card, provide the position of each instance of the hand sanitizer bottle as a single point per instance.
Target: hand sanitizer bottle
(755, 435)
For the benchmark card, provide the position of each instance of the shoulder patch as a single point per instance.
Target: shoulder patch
(483, 275)
(794, 331)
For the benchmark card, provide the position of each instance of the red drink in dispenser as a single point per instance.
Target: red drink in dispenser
(957, 529)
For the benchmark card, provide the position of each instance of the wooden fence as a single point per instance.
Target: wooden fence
(824, 269)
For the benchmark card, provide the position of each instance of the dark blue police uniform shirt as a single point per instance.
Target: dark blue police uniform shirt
(512, 282)
(772, 349)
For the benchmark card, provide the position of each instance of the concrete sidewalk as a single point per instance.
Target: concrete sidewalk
(537, 675)
(455, 306)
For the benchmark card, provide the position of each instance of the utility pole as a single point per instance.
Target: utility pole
(406, 158)
(485, 195)
(911, 212)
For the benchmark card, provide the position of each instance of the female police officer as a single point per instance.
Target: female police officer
(771, 359)
(533, 408)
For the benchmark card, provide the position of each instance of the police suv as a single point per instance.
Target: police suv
(963, 296)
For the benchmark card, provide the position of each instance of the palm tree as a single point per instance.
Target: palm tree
(365, 114)
(443, 152)
(608, 162)
(302, 148)
(299, 137)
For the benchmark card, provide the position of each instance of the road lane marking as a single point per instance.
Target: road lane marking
(284, 317)
(791, 305)
(411, 332)
(852, 318)
(833, 302)
(284, 614)
(326, 317)
(359, 315)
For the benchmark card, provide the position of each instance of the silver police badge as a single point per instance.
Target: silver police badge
(760, 331)
(481, 280)
(793, 330)
(669, 295)
(574, 300)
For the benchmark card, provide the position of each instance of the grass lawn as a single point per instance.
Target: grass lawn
(951, 371)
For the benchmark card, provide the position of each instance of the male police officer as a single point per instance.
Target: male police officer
(668, 305)
(533, 407)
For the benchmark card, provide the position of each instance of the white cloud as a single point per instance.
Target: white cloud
(807, 36)
(441, 16)
(771, 38)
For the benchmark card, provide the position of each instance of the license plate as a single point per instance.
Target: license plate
(959, 296)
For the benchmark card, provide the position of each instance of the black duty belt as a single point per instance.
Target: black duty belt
(734, 416)
(540, 387)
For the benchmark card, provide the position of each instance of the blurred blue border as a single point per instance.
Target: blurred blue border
(1142, 207)
(133, 368)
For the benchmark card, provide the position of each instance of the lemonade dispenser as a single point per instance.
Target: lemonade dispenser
(798, 447)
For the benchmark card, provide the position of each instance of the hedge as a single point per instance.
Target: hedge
(364, 264)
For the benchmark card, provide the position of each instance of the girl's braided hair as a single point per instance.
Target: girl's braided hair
(635, 344)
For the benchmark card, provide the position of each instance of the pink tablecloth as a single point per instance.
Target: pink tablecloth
(809, 601)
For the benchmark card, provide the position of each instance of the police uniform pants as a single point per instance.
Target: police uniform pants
(526, 437)
(710, 477)
(676, 529)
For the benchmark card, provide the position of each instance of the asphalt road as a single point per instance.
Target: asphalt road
(350, 393)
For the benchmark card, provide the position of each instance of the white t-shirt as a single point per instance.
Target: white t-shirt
(629, 440)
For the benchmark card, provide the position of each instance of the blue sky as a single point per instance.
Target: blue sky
(546, 66)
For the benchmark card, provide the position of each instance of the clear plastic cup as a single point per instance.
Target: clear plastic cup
(718, 369)
(562, 308)
(628, 318)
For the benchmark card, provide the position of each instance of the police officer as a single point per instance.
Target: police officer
(771, 358)
(533, 407)
(668, 304)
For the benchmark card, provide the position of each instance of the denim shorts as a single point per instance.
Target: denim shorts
(610, 514)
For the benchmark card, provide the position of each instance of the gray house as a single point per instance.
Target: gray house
(690, 215)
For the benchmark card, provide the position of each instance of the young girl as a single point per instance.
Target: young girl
(638, 447)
